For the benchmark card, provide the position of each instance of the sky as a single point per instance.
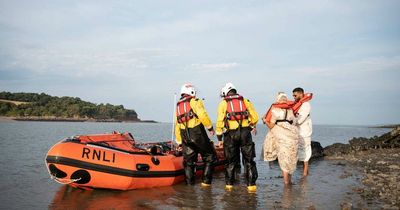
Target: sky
(139, 53)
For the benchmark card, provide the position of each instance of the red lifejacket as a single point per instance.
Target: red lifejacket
(296, 106)
(236, 108)
(184, 111)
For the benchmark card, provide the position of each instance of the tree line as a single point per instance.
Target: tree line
(43, 105)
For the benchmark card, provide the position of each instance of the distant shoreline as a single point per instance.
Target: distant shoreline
(55, 119)
(386, 126)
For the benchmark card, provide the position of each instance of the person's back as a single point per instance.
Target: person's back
(236, 119)
(282, 116)
(233, 123)
(192, 119)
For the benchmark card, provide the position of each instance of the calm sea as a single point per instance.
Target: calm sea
(25, 183)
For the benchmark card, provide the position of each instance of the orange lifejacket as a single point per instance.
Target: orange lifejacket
(184, 111)
(286, 105)
(236, 108)
(295, 106)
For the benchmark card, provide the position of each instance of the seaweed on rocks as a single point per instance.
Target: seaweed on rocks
(378, 158)
(386, 141)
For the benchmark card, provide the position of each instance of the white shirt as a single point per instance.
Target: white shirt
(303, 120)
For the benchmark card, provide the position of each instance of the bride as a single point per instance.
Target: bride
(282, 140)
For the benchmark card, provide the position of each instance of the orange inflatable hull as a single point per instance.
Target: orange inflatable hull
(115, 161)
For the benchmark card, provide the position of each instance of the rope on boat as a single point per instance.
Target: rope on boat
(64, 181)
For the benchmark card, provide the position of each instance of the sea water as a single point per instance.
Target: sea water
(26, 184)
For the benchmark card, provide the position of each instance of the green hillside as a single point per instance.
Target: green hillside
(25, 105)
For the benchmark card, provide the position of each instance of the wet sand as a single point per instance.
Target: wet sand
(325, 188)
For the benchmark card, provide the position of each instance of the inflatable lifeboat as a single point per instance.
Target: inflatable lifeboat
(115, 161)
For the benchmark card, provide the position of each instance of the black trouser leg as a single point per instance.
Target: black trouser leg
(209, 158)
(189, 163)
(248, 155)
(199, 143)
(231, 148)
(238, 164)
(207, 151)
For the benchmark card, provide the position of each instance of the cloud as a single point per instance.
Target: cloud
(371, 64)
(325, 46)
(213, 67)
(81, 63)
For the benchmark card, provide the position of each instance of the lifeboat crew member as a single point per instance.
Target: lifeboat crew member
(302, 112)
(190, 131)
(236, 119)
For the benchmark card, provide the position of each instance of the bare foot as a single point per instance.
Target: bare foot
(305, 170)
(288, 184)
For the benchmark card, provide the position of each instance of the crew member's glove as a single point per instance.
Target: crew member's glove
(211, 131)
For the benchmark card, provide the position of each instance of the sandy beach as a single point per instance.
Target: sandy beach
(6, 119)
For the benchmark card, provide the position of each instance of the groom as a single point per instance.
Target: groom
(303, 122)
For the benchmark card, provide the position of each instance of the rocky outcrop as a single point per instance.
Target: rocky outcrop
(389, 140)
(317, 150)
(337, 150)
(379, 160)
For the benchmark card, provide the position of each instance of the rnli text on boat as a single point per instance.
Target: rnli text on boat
(97, 155)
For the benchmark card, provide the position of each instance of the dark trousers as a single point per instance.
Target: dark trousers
(195, 141)
(234, 142)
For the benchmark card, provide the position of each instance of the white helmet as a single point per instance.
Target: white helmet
(228, 86)
(188, 89)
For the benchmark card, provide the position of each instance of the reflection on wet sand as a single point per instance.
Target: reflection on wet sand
(296, 195)
(317, 191)
(71, 198)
